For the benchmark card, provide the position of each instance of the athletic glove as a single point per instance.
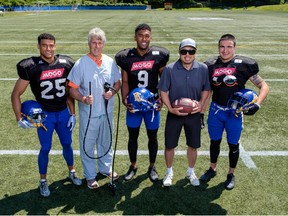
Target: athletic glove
(25, 124)
(251, 110)
(202, 120)
(72, 122)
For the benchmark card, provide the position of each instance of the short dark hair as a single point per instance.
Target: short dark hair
(227, 37)
(46, 36)
(142, 26)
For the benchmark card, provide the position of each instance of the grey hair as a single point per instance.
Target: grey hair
(98, 33)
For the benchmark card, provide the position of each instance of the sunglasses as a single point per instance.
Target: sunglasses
(184, 52)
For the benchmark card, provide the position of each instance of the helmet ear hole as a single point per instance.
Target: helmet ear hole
(141, 99)
(32, 111)
(235, 105)
(242, 99)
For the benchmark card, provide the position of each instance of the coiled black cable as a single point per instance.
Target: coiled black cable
(88, 123)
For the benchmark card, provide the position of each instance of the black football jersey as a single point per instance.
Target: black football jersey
(143, 71)
(47, 81)
(240, 67)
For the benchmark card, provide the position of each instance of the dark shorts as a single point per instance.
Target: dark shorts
(192, 129)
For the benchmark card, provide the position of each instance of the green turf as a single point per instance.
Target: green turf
(262, 191)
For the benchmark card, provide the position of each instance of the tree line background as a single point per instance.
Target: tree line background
(153, 3)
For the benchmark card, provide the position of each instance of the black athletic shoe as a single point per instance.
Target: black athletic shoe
(152, 173)
(230, 181)
(131, 172)
(210, 173)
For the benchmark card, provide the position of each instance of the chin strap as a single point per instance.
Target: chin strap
(37, 125)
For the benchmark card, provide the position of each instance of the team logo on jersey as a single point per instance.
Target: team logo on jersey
(223, 71)
(50, 74)
(155, 52)
(137, 96)
(238, 60)
(142, 65)
(62, 61)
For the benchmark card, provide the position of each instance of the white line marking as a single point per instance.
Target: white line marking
(268, 153)
(244, 155)
(246, 158)
(145, 152)
(276, 80)
(207, 18)
(8, 79)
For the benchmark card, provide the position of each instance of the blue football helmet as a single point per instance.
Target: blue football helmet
(142, 100)
(242, 100)
(32, 111)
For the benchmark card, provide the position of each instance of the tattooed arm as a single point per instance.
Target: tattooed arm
(262, 85)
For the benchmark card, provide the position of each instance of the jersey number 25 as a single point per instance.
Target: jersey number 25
(48, 85)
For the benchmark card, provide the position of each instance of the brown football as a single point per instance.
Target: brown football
(187, 104)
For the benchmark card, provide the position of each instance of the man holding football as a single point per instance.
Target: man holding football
(228, 74)
(47, 75)
(185, 78)
(141, 67)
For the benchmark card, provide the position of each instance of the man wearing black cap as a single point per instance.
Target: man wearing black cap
(185, 78)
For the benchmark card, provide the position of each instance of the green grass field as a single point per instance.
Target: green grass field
(262, 173)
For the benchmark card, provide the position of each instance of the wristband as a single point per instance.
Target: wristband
(257, 104)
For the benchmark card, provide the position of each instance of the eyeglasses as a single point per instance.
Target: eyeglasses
(184, 52)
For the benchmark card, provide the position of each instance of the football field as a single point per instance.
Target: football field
(261, 175)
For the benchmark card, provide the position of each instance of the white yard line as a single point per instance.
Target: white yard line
(8, 79)
(145, 152)
(247, 160)
(244, 155)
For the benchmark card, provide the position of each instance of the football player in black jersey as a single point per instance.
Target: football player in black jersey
(228, 74)
(47, 75)
(140, 68)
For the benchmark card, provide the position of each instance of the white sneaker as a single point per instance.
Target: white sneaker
(167, 181)
(193, 179)
(44, 189)
(74, 178)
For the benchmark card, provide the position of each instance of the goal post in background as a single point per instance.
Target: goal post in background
(40, 6)
(75, 7)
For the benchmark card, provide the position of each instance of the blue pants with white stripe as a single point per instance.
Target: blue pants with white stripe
(221, 118)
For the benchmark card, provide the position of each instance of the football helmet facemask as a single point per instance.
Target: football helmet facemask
(142, 100)
(242, 100)
(32, 111)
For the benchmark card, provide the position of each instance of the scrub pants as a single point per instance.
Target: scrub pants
(98, 137)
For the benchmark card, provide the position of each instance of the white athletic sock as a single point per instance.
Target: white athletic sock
(169, 170)
(190, 170)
